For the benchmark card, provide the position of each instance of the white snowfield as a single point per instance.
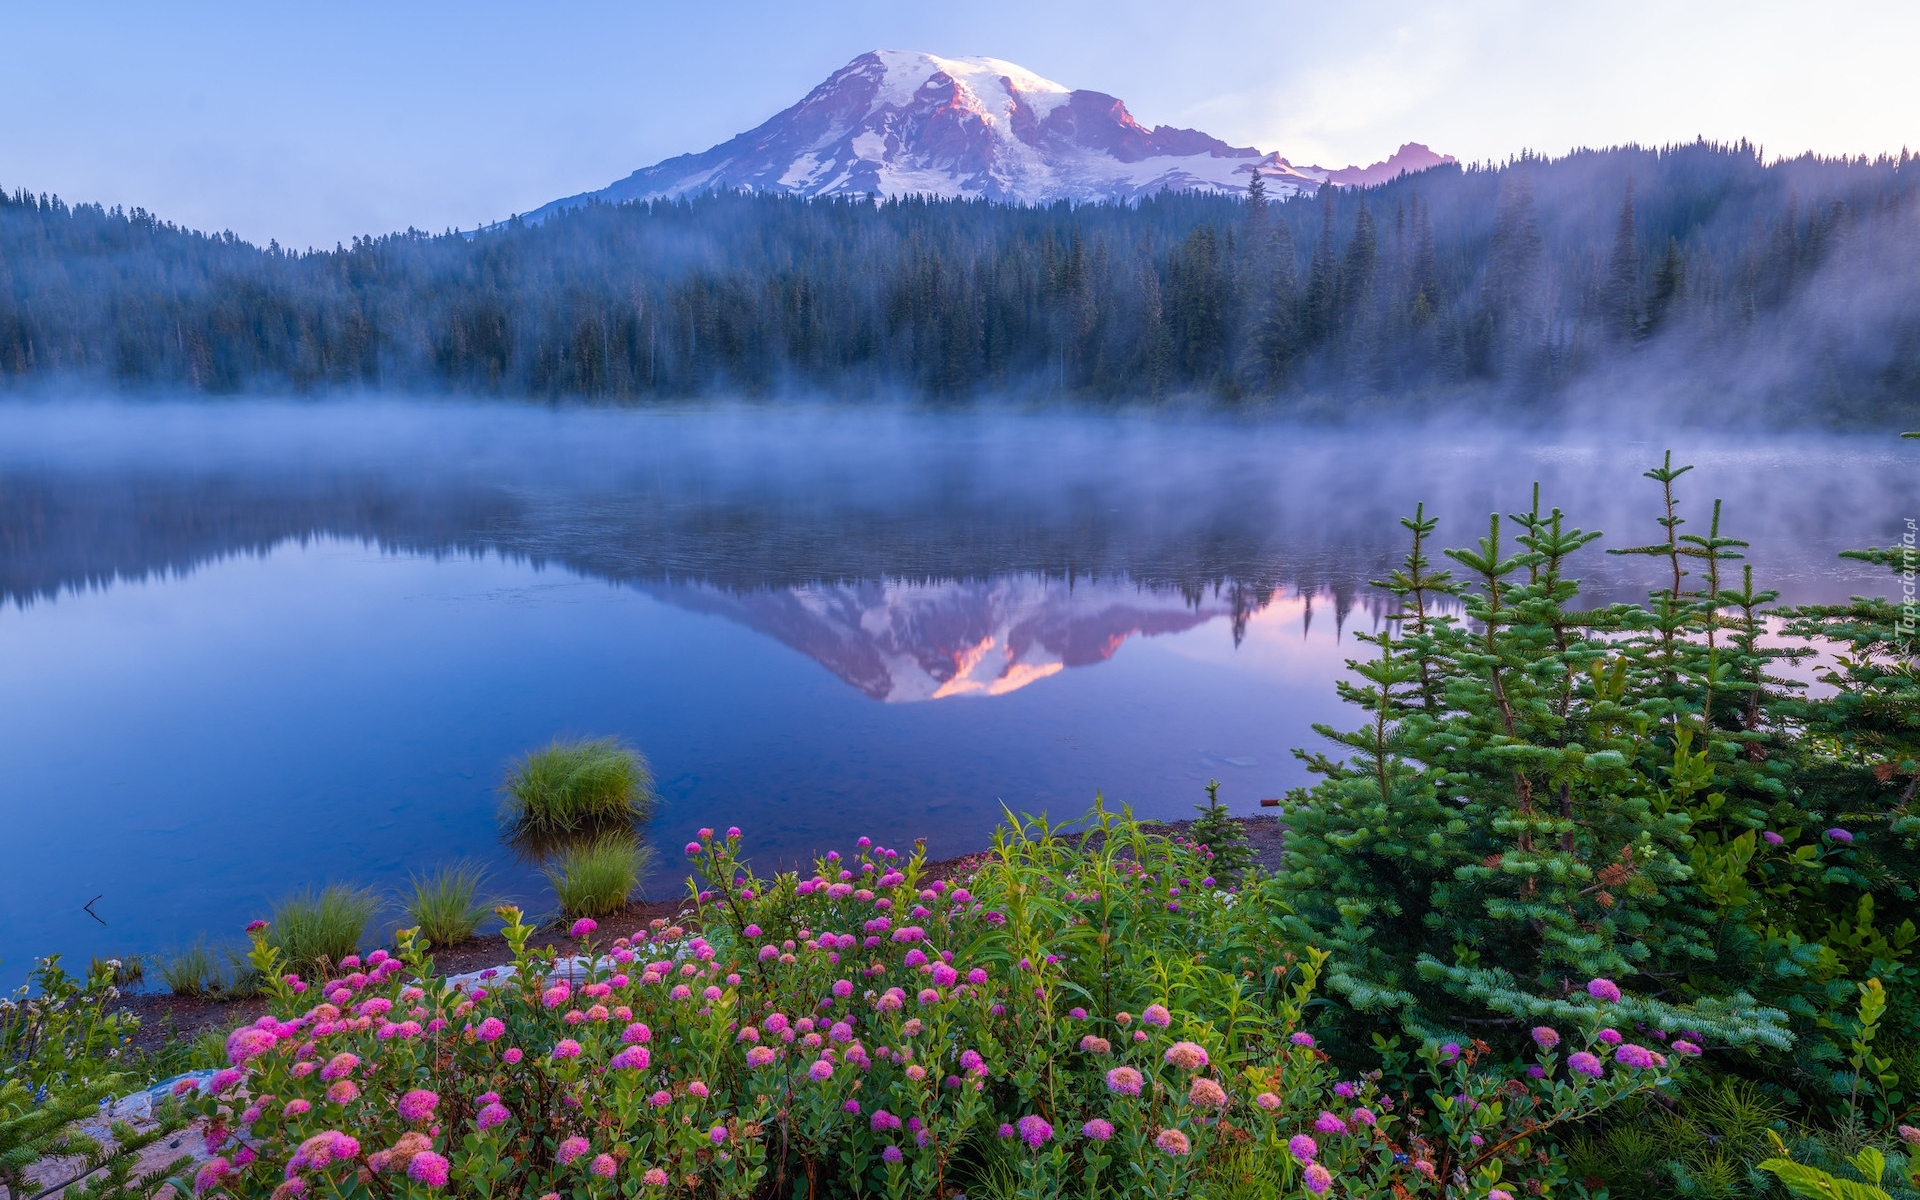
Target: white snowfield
(901, 123)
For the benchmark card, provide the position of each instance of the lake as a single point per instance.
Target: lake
(254, 646)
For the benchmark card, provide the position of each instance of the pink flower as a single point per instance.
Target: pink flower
(428, 1168)
(660, 1099)
(1098, 1130)
(636, 1033)
(1318, 1179)
(1610, 1036)
(655, 1177)
(1605, 990)
(248, 1043)
(1499, 1194)
(977, 976)
(604, 1166)
(1034, 1131)
(1076, 1013)
(1188, 1056)
(566, 1048)
(490, 1030)
(697, 1090)
(693, 848)
(1302, 1039)
(761, 1056)
(1841, 836)
(820, 1071)
(1326, 1122)
(1685, 1047)
(1585, 1064)
(1910, 1135)
(717, 1135)
(1638, 1057)
(1363, 1116)
(1173, 1142)
(1096, 1045)
(633, 1058)
(210, 1173)
(339, 1065)
(1267, 1100)
(1124, 1081)
(512, 1055)
(891, 1155)
(492, 1115)
(295, 1107)
(1302, 1147)
(571, 1149)
(1546, 1037)
(1157, 1014)
(417, 1105)
(882, 1121)
(1205, 1091)
(344, 1091)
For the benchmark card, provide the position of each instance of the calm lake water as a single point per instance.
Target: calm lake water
(249, 647)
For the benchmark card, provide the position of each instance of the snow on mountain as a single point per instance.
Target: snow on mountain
(896, 122)
(905, 641)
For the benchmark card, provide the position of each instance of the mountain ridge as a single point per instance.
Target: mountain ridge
(895, 122)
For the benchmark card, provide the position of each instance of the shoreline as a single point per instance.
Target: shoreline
(165, 1017)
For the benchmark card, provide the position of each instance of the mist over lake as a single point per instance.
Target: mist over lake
(256, 645)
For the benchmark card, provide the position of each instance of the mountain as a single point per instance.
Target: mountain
(895, 122)
(904, 641)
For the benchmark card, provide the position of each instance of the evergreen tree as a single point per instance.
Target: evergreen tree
(1622, 296)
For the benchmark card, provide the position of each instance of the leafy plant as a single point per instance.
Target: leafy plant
(574, 786)
(446, 905)
(1803, 1180)
(597, 879)
(311, 928)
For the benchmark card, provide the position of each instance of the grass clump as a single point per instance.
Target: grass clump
(446, 905)
(194, 972)
(310, 927)
(596, 879)
(577, 785)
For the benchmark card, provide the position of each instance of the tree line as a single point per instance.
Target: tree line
(1526, 277)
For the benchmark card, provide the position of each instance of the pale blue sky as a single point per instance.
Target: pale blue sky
(312, 122)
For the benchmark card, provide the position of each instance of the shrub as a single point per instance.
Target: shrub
(596, 879)
(1224, 842)
(446, 905)
(193, 972)
(1547, 792)
(1075, 1017)
(312, 928)
(572, 786)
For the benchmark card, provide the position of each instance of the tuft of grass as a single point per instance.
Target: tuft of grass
(596, 879)
(311, 928)
(193, 972)
(576, 785)
(446, 903)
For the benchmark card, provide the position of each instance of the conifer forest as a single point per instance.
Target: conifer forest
(1699, 274)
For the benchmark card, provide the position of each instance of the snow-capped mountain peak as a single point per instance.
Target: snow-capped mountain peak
(899, 122)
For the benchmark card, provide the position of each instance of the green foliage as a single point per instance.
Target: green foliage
(1547, 793)
(1869, 1164)
(193, 972)
(311, 928)
(1703, 1147)
(62, 1048)
(446, 906)
(598, 878)
(1227, 852)
(578, 786)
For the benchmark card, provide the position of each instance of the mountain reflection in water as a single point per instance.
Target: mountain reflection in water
(255, 646)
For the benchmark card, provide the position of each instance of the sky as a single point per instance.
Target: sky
(313, 123)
